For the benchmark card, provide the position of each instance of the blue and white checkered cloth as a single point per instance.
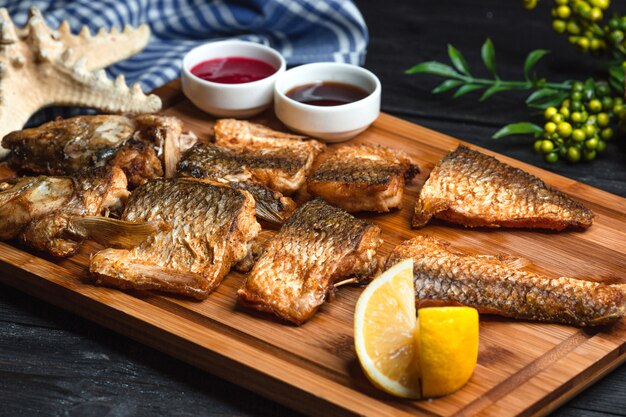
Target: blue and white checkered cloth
(302, 30)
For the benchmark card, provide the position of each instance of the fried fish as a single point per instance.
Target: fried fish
(208, 229)
(474, 189)
(361, 177)
(144, 146)
(494, 286)
(238, 170)
(318, 246)
(278, 160)
(39, 210)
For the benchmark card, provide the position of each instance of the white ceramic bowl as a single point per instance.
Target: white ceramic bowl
(230, 100)
(331, 123)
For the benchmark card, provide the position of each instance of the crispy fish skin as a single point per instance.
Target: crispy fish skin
(209, 161)
(492, 286)
(206, 161)
(37, 210)
(317, 246)
(135, 144)
(361, 177)
(63, 147)
(474, 189)
(208, 228)
(275, 159)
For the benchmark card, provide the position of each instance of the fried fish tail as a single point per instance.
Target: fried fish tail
(445, 275)
(113, 232)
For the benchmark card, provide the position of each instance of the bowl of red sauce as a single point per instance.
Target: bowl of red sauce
(327, 100)
(231, 78)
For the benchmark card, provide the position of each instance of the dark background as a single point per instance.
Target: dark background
(53, 363)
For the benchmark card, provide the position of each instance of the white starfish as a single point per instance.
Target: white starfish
(41, 67)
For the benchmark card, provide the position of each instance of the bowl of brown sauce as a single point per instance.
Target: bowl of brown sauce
(327, 100)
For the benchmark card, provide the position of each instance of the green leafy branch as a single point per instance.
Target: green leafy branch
(458, 76)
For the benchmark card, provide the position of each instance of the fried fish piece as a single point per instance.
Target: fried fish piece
(208, 229)
(318, 246)
(474, 189)
(277, 160)
(361, 177)
(39, 210)
(216, 163)
(143, 146)
(493, 286)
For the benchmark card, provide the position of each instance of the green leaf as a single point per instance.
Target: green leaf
(619, 86)
(434, 68)
(493, 90)
(617, 72)
(616, 78)
(488, 53)
(467, 88)
(545, 98)
(549, 99)
(532, 58)
(458, 60)
(446, 85)
(539, 94)
(590, 85)
(523, 128)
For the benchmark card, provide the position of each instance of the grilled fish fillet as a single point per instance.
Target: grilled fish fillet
(492, 286)
(38, 210)
(475, 189)
(277, 160)
(317, 246)
(143, 146)
(216, 163)
(208, 228)
(361, 177)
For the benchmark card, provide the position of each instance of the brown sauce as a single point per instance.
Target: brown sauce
(327, 94)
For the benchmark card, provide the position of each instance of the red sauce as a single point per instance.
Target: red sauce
(233, 70)
(327, 94)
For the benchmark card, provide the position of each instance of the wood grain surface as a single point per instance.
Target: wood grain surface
(523, 368)
(55, 363)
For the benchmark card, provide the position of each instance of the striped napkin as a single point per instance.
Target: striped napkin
(302, 30)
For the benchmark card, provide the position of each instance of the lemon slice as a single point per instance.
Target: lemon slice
(384, 332)
(408, 357)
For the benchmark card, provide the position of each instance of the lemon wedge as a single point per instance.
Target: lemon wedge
(408, 357)
(449, 348)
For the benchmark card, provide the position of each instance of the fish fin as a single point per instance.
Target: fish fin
(266, 212)
(111, 232)
(514, 262)
(171, 155)
(173, 148)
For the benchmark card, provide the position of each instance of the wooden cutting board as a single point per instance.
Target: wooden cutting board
(523, 368)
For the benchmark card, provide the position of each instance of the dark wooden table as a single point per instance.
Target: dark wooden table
(53, 363)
